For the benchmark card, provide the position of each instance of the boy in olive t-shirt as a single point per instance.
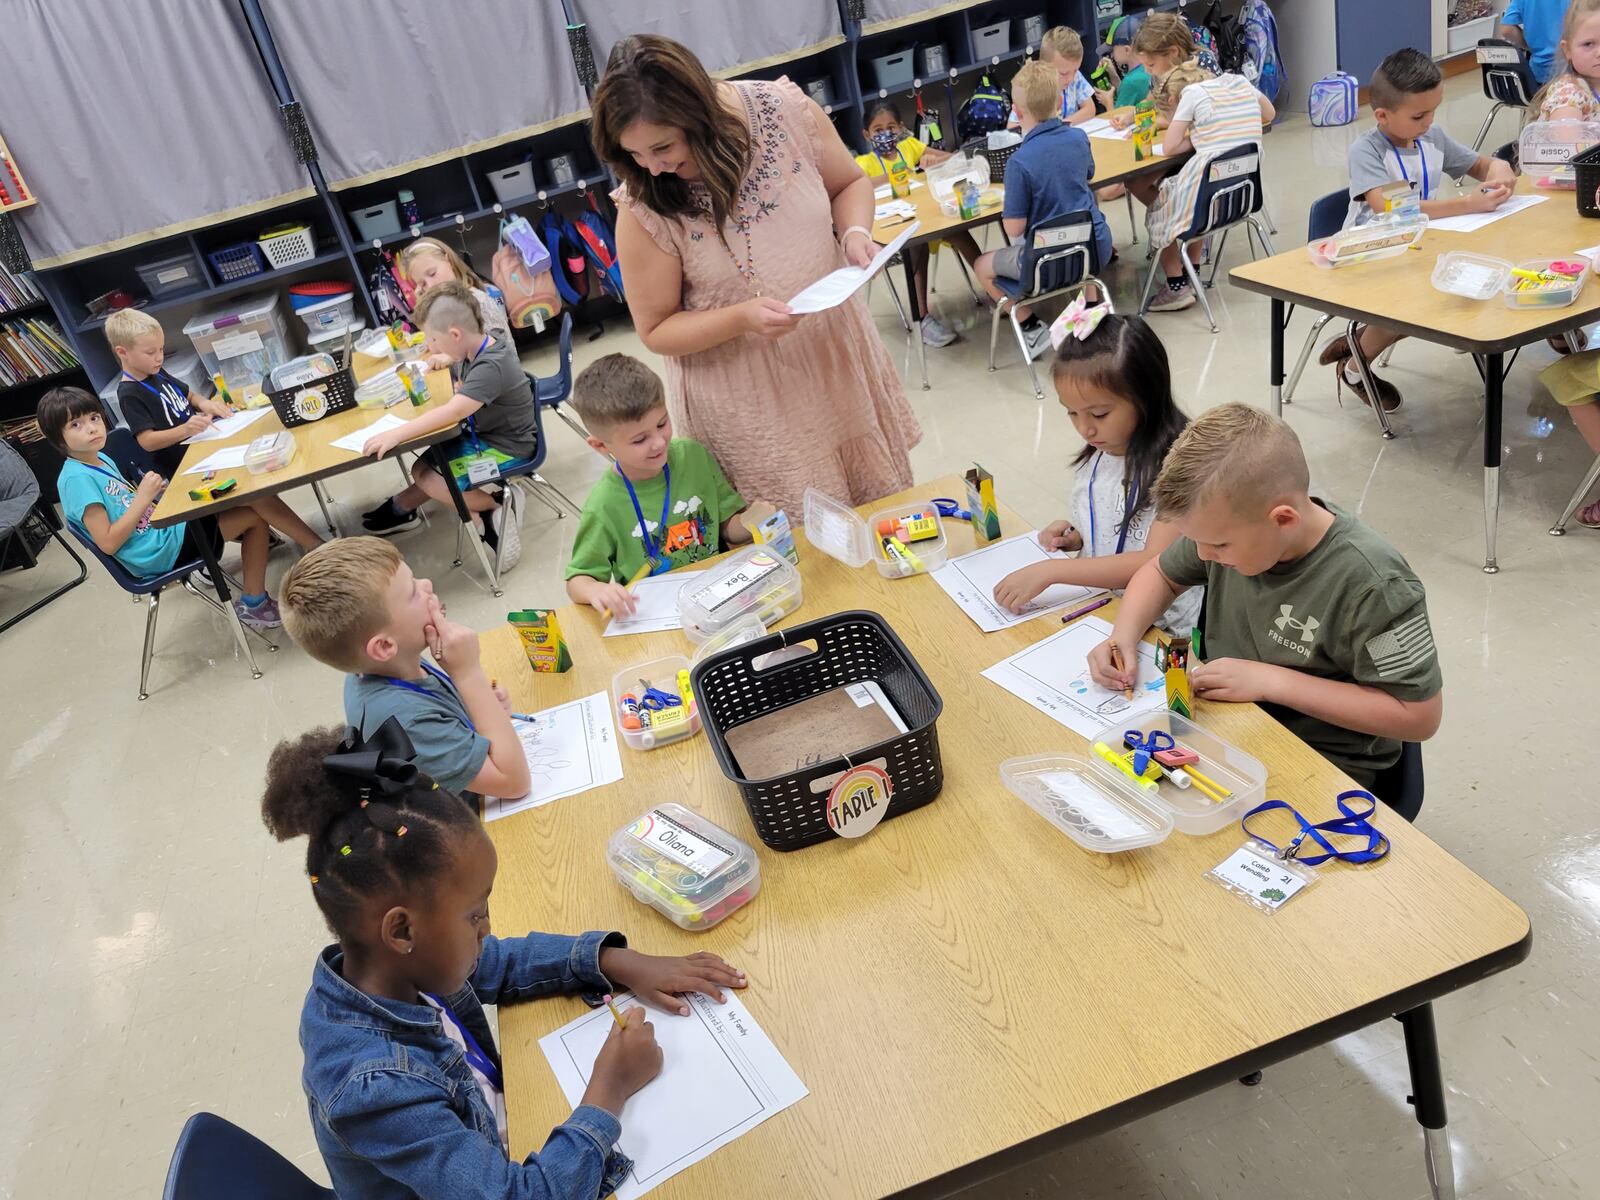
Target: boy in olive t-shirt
(1309, 613)
(663, 499)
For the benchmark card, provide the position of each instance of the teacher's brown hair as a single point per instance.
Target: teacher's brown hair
(655, 79)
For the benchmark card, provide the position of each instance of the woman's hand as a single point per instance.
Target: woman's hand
(766, 317)
(860, 249)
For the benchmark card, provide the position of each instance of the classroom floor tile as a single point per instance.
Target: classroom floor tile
(155, 944)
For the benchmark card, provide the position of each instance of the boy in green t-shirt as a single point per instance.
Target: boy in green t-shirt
(664, 500)
(1309, 613)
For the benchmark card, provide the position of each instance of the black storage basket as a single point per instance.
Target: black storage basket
(997, 159)
(852, 647)
(340, 389)
(1587, 166)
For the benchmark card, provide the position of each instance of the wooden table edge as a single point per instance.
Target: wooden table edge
(1225, 1072)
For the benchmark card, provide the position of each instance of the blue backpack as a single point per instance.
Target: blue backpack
(986, 111)
(1263, 65)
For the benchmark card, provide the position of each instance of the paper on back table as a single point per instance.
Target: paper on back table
(721, 1077)
(228, 426)
(1053, 676)
(657, 596)
(1472, 222)
(226, 459)
(354, 441)
(970, 581)
(838, 286)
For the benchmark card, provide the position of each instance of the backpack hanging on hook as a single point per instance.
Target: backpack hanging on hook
(928, 131)
(594, 231)
(568, 267)
(521, 270)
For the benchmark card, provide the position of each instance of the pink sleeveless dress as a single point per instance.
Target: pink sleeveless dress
(822, 406)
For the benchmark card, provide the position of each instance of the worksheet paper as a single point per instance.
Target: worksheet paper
(884, 191)
(1100, 127)
(354, 441)
(657, 597)
(570, 749)
(970, 581)
(228, 426)
(894, 211)
(229, 458)
(1472, 222)
(721, 1077)
(1053, 676)
(835, 288)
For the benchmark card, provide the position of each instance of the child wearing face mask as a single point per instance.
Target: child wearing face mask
(890, 140)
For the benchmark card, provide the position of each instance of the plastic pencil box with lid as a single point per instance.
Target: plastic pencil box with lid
(900, 542)
(756, 581)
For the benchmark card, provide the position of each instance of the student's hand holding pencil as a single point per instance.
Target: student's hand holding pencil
(1060, 535)
(613, 599)
(1108, 667)
(629, 1059)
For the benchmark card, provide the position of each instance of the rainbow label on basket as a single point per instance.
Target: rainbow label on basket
(858, 801)
(311, 404)
(664, 835)
(715, 595)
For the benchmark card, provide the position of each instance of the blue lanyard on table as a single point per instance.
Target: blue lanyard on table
(1422, 159)
(644, 530)
(449, 685)
(1351, 824)
(177, 410)
(472, 421)
(472, 1051)
(1127, 512)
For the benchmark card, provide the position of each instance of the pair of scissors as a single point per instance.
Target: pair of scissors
(947, 507)
(1144, 745)
(655, 699)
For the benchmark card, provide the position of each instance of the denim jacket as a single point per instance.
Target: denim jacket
(394, 1105)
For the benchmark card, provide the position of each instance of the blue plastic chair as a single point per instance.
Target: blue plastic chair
(551, 390)
(216, 1160)
(1059, 255)
(1230, 194)
(1326, 219)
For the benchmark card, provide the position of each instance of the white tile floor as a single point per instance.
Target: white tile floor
(155, 944)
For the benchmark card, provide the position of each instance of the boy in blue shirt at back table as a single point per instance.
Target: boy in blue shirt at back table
(1046, 177)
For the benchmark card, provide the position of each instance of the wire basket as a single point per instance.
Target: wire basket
(323, 397)
(788, 812)
(996, 159)
(286, 245)
(237, 262)
(1587, 167)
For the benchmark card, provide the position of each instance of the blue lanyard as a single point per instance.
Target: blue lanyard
(177, 410)
(644, 530)
(449, 686)
(472, 421)
(884, 167)
(111, 475)
(1351, 824)
(1422, 159)
(472, 1052)
(1127, 513)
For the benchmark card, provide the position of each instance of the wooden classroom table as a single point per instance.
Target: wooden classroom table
(316, 459)
(1113, 163)
(1398, 293)
(965, 988)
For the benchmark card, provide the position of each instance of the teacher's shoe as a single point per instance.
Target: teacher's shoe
(1388, 394)
(389, 517)
(935, 334)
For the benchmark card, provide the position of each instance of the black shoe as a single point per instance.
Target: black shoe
(389, 518)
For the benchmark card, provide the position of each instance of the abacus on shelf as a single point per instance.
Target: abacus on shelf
(14, 191)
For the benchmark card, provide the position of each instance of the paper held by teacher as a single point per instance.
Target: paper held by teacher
(835, 288)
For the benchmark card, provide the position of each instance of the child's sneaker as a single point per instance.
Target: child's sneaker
(1171, 299)
(507, 527)
(1037, 334)
(389, 517)
(935, 334)
(259, 616)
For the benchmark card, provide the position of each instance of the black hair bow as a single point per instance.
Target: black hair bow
(380, 764)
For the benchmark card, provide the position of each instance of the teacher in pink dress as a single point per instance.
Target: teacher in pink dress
(734, 197)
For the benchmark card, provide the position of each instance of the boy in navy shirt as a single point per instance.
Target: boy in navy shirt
(1046, 177)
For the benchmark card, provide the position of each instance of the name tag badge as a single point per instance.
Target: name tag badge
(1256, 874)
(482, 468)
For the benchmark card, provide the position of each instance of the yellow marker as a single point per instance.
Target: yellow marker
(685, 693)
(615, 1015)
(1122, 764)
(637, 575)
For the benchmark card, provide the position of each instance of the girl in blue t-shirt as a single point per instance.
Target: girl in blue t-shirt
(98, 499)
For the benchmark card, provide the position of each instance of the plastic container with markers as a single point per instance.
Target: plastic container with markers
(900, 542)
(687, 868)
(647, 726)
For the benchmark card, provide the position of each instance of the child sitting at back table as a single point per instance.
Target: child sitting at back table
(1112, 377)
(890, 140)
(1310, 613)
(402, 1075)
(1062, 49)
(428, 262)
(664, 503)
(1160, 43)
(355, 605)
(1130, 82)
(1046, 177)
(1408, 147)
(98, 499)
(1571, 96)
(161, 411)
(493, 401)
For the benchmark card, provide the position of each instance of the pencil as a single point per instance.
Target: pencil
(637, 575)
(1116, 663)
(1086, 609)
(615, 1015)
(1205, 781)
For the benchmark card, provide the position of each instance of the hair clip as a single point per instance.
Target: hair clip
(1079, 320)
(344, 850)
(401, 832)
(314, 880)
(381, 763)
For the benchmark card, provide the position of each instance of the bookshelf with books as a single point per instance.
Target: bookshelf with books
(35, 356)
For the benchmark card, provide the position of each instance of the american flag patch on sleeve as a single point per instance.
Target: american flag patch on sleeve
(1403, 648)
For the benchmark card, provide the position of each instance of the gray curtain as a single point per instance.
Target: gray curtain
(126, 132)
(727, 40)
(394, 84)
(888, 14)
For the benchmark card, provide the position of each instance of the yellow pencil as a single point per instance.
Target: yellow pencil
(637, 575)
(615, 1015)
(1208, 784)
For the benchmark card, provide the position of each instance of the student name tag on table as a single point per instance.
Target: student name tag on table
(1260, 878)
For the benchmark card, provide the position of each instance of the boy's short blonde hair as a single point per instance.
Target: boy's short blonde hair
(1237, 452)
(614, 390)
(335, 598)
(449, 305)
(127, 325)
(1063, 42)
(1037, 91)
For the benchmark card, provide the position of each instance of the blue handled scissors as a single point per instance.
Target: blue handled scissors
(947, 507)
(1144, 745)
(654, 699)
